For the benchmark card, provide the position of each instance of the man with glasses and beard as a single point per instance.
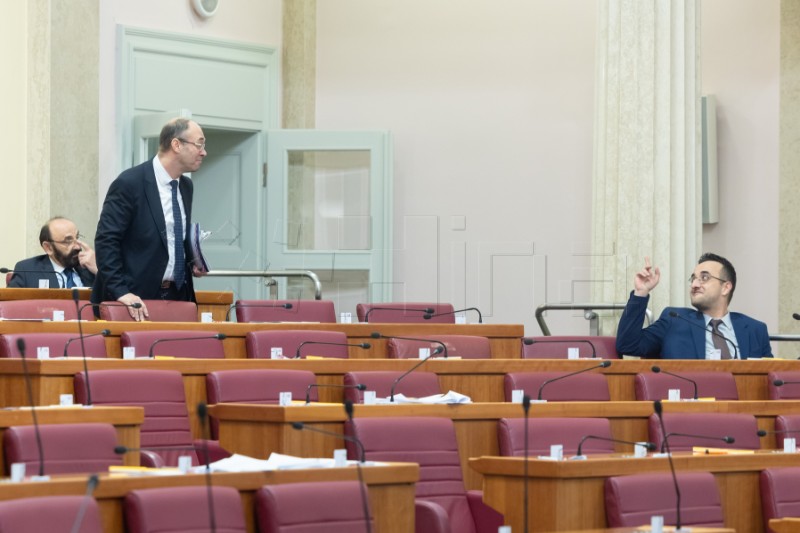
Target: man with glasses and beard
(709, 331)
(67, 262)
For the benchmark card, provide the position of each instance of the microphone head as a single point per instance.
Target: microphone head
(526, 402)
(5, 270)
(221, 336)
(202, 411)
(761, 433)
(348, 408)
(729, 440)
(105, 332)
(605, 364)
(796, 316)
(655, 369)
(361, 386)
(21, 345)
(75, 295)
(92, 482)
(375, 335)
(778, 383)
(651, 446)
(297, 425)
(119, 450)
(429, 311)
(657, 407)
(287, 306)
(427, 316)
(366, 345)
(527, 342)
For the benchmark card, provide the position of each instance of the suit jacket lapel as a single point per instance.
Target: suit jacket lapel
(740, 329)
(154, 201)
(698, 335)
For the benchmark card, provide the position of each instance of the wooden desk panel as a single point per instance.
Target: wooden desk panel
(785, 525)
(126, 420)
(257, 430)
(557, 489)
(391, 491)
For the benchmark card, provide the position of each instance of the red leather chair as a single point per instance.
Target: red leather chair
(790, 390)
(204, 348)
(557, 347)
(182, 509)
(587, 387)
(741, 427)
(431, 442)
(632, 500)
(285, 311)
(161, 394)
(158, 311)
(54, 514)
(655, 386)
(415, 384)
(406, 312)
(786, 426)
(463, 346)
(55, 342)
(43, 309)
(319, 507)
(544, 432)
(260, 343)
(67, 448)
(256, 386)
(780, 493)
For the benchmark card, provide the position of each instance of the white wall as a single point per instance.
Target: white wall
(490, 105)
(741, 66)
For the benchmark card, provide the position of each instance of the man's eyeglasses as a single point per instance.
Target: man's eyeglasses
(704, 278)
(69, 241)
(200, 146)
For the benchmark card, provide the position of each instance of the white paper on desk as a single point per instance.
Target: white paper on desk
(450, 397)
(276, 461)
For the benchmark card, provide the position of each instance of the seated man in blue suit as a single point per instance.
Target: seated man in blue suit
(67, 262)
(700, 333)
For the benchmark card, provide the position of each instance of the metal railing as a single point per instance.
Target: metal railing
(588, 314)
(273, 274)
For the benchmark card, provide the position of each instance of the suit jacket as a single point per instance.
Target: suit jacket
(29, 276)
(131, 239)
(683, 336)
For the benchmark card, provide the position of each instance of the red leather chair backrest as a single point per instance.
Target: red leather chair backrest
(589, 387)
(557, 347)
(260, 343)
(544, 432)
(786, 426)
(416, 384)
(158, 311)
(780, 493)
(463, 346)
(431, 442)
(203, 348)
(790, 390)
(181, 509)
(43, 309)
(742, 427)
(55, 342)
(285, 311)
(655, 386)
(318, 506)
(159, 392)
(49, 513)
(256, 386)
(68, 448)
(632, 500)
(406, 312)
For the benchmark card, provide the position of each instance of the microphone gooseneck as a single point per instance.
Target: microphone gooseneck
(725, 439)
(526, 408)
(300, 426)
(29, 388)
(659, 409)
(217, 336)
(348, 409)
(428, 316)
(76, 299)
(649, 445)
(286, 305)
(529, 342)
(604, 364)
(425, 310)
(362, 345)
(674, 314)
(357, 386)
(91, 485)
(657, 369)
(202, 415)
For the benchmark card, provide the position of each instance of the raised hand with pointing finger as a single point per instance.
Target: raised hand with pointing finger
(646, 279)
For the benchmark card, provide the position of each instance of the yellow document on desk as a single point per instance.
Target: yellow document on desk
(720, 451)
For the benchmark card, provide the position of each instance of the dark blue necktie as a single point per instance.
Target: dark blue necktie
(69, 283)
(179, 274)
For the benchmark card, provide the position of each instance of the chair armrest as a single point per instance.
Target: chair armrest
(215, 451)
(430, 517)
(487, 520)
(150, 459)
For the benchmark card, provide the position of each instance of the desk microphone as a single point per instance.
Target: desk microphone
(76, 299)
(442, 346)
(428, 316)
(267, 306)
(528, 342)
(604, 364)
(526, 408)
(659, 410)
(348, 408)
(217, 336)
(96, 306)
(434, 353)
(301, 426)
(673, 314)
(781, 383)
(362, 345)
(657, 369)
(649, 445)
(796, 316)
(29, 388)
(59, 275)
(202, 415)
(357, 386)
(764, 432)
(426, 310)
(91, 485)
(103, 333)
(726, 439)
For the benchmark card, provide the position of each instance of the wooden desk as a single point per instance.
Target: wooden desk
(667, 529)
(257, 430)
(215, 302)
(557, 489)
(126, 420)
(785, 525)
(391, 491)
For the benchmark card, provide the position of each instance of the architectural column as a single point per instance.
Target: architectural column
(647, 178)
(299, 63)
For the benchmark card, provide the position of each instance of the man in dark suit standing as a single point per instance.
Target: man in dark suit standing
(67, 262)
(709, 331)
(142, 243)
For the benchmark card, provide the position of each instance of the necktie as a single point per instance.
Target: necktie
(69, 283)
(719, 342)
(179, 274)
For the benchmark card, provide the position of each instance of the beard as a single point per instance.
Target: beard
(69, 260)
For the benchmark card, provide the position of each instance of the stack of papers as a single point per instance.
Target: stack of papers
(450, 397)
(276, 461)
